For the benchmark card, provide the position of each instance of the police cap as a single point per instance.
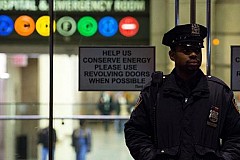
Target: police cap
(185, 35)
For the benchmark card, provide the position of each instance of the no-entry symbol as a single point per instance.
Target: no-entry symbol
(128, 26)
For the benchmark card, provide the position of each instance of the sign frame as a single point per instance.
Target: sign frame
(234, 51)
(142, 65)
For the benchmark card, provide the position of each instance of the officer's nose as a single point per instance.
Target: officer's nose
(193, 53)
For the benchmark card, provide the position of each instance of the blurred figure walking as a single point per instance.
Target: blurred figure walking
(81, 140)
(43, 139)
(105, 106)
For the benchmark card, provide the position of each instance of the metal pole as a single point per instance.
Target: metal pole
(51, 14)
(208, 49)
(193, 11)
(176, 12)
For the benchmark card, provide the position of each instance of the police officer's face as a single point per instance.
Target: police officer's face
(187, 59)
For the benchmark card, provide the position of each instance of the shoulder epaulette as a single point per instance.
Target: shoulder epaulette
(157, 80)
(146, 86)
(157, 77)
(218, 81)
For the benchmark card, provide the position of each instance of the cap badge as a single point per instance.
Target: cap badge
(195, 29)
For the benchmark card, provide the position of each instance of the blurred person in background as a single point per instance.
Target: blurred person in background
(106, 107)
(119, 102)
(82, 140)
(43, 139)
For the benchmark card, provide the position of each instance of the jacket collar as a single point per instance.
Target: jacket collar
(198, 85)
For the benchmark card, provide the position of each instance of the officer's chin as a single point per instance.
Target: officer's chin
(193, 69)
(193, 66)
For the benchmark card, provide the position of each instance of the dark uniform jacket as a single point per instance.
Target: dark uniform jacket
(197, 122)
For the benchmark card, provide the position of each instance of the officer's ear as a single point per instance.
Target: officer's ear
(171, 54)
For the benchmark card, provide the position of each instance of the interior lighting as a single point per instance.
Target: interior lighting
(4, 75)
(215, 41)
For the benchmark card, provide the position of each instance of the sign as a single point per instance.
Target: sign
(66, 26)
(87, 26)
(128, 26)
(43, 26)
(76, 22)
(24, 25)
(75, 5)
(108, 26)
(20, 60)
(115, 68)
(6, 25)
(235, 68)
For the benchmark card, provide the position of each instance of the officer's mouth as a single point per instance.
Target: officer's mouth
(193, 62)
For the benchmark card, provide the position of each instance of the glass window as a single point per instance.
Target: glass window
(25, 67)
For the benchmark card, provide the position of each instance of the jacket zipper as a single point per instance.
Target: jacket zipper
(155, 123)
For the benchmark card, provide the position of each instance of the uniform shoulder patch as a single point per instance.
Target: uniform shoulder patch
(235, 104)
(139, 101)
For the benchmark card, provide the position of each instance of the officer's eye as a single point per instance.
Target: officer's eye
(188, 51)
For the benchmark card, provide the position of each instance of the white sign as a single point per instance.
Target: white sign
(115, 68)
(235, 68)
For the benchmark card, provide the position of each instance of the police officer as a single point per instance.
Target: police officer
(187, 116)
